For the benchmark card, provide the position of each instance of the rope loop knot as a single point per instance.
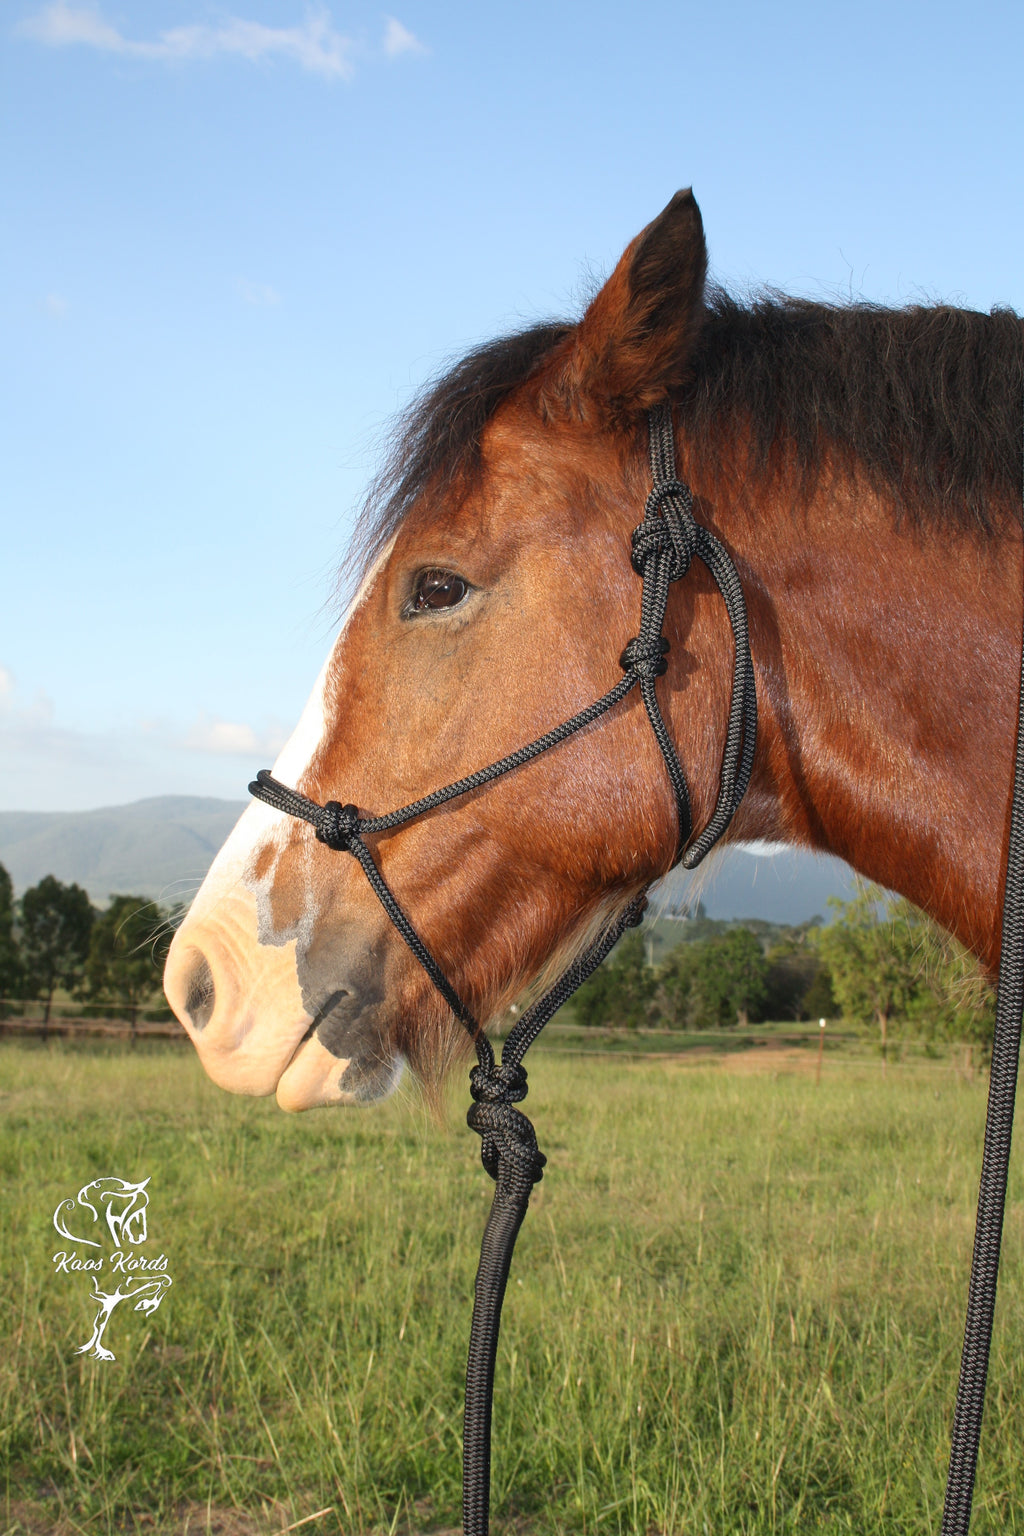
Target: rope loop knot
(507, 1135)
(645, 655)
(337, 825)
(668, 528)
(504, 1083)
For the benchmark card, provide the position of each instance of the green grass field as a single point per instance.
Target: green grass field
(735, 1308)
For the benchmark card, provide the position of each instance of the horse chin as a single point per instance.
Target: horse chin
(315, 1078)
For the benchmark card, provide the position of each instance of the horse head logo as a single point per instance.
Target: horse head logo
(124, 1206)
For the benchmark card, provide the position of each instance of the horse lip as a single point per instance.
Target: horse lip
(350, 1066)
(331, 1001)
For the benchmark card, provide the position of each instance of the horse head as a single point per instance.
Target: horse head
(496, 600)
(124, 1206)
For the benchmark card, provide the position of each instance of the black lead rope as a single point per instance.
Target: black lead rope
(995, 1164)
(663, 547)
(514, 1161)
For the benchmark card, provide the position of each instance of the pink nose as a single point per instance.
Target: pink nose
(239, 1000)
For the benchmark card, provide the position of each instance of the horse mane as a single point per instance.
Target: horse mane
(924, 402)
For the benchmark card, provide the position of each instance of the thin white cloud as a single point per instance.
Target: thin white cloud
(56, 305)
(315, 45)
(398, 39)
(60, 25)
(20, 717)
(231, 738)
(48, 765)
(260, 295)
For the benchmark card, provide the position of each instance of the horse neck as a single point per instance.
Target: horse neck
(887, 662)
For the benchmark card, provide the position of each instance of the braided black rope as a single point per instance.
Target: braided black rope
(339, 827)
(663, 547)
(995, 1163)
(688, 538)
(511, 1156)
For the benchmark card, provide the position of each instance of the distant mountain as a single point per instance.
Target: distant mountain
(163, 847)
(785, 886)
(160, 848)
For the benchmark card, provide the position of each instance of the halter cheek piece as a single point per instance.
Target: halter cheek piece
(663, 547)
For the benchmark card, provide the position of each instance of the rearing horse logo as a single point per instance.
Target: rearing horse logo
(122, 1207)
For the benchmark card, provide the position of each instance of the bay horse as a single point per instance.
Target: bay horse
(861, 465)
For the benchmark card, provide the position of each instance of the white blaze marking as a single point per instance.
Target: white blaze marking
(260, 823)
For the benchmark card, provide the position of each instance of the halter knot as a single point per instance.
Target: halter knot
(645, 655)
(503, 1083)
(336, 825)
(668, 527)
(507, 1135)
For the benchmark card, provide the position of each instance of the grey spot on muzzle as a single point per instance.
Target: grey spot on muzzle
(343, 991)
(201, 996)
(346, 1028)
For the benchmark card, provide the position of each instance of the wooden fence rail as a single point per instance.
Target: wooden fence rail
(79, 1028)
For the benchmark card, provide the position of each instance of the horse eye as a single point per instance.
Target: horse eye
(437, 589)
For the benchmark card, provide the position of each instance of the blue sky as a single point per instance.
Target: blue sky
(236, 237)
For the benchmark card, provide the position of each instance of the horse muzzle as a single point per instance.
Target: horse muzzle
(259, 1030)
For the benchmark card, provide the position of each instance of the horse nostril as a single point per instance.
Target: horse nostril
(201, 994)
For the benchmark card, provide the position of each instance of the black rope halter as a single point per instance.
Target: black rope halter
(663, 547)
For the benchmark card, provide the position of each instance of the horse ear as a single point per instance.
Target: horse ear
(634, 344)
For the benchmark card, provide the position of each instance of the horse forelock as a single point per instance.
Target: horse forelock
(436, 442)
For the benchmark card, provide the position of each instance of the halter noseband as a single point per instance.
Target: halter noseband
(663, 547)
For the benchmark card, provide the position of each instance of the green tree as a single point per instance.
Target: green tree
(10, 956)
(123, 965)
(56, 921)
(887, 960)
(721, 981)
(819, 999)
(872, 951)
(621, 991)
(793, 969)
